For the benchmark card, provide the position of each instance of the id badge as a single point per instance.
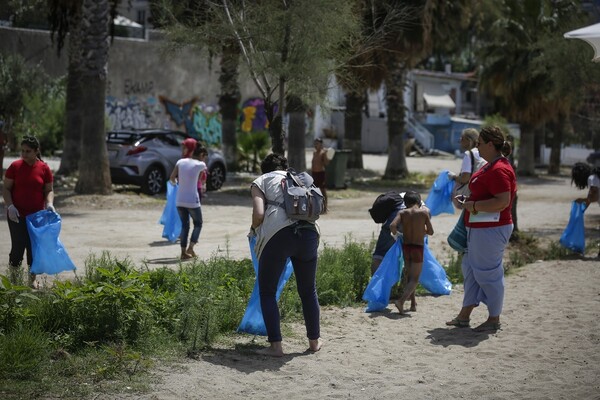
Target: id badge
(484, 217)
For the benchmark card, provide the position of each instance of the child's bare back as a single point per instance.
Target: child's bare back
(415, 224)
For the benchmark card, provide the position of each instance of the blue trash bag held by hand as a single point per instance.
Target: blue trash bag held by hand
(439, 199)
(252, 321)
(49, 254)
(433, 276)
(573, 237)
(378, 291)
(170, 217)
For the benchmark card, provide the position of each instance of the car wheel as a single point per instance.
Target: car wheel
(154, 180)
(216, 177)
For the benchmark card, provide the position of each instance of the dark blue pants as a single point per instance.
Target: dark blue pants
(20, 242)
(300, 245)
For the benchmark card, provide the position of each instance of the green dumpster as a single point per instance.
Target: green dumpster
(336, 170)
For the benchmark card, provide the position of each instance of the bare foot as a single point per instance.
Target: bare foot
(413, 307)
(399, 306)
(271, 351)
(315, 345)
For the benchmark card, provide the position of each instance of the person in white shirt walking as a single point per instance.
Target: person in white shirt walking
(186, 174)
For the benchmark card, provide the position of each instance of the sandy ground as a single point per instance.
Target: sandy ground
(549, 345)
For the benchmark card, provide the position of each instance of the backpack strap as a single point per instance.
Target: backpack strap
(275, 203)
(472, 162)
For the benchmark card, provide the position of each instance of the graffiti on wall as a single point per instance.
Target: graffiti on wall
(180, 113)
(253, 117)
(201, 121)
(207, 124)
(132, 113)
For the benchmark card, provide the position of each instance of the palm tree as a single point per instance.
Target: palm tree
(516, 67)
(88, 63)
(408, 45)
(71, 154)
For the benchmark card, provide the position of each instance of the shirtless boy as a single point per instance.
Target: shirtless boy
(319, 162)
(416, 222)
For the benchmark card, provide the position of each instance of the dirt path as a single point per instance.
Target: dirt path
(126, 224)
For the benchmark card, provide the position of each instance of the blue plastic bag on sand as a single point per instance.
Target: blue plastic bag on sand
(573, 237)
(49, 254)
(377, 293)
(439, 199)
(170, 217)
(433, 276)
(253, 321)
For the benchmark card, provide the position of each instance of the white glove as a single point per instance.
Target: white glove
(50, 207)
(451, 176)
(251, 233)
(13, 213)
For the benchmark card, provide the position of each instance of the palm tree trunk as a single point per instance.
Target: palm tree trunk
(228, 103)
(72, 139)
(94, 173)
(355, 102)
(395, 83)
(526, 166)
(555, 150)
(296, 134)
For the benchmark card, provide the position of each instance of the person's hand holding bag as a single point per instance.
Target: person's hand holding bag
(13, 213)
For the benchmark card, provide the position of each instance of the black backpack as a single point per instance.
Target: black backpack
(383, 206)
(302, 200)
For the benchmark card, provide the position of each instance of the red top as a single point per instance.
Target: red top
(492, 179)
(28, 185)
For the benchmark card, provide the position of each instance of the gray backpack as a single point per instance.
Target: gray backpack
(302, 200)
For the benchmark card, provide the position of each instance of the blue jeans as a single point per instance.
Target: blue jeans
(300, 245)
(184, 215)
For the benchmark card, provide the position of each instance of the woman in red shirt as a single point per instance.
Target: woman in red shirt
(489, 225)
(27, 190)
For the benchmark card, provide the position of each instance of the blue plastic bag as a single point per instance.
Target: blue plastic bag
(439, 199)
(573, 237)
(49, 254)
(433, 276)
(377, 293)
(252, 321)
(170, 217)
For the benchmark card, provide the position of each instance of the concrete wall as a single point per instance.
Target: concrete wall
(568, 155)
(146, 87)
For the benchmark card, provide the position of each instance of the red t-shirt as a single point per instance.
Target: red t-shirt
(492, 179)
(28, 185)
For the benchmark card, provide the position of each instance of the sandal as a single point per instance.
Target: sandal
(488, 326)
(460, 323)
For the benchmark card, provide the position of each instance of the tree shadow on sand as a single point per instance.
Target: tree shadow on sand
(465, 337)
(245, 358)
